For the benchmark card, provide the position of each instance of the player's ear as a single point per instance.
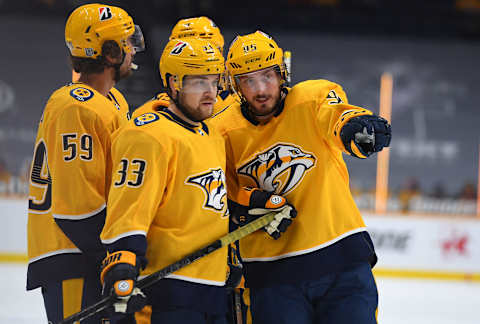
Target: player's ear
(112, 52)
(171, 86)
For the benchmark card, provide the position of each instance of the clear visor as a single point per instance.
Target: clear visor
(209, 83)
(258, 80)
(136, 40)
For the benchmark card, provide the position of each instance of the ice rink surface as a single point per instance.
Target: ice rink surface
(402, 301)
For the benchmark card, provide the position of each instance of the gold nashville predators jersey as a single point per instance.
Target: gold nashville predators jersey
(224, 100)
(169, 186)
(297, 154)
(160, 100)
(71, 166)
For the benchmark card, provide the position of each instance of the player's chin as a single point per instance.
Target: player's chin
(125, 74)
(206, 110)
(263, 109)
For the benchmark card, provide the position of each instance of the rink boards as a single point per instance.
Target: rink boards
(407, 246)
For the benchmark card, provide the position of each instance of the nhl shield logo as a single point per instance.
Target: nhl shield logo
(213, 184)
(278, 169)
(89, 51)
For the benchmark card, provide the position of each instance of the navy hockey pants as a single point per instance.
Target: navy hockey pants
(64, 298)
(339, 298)
(185, 316)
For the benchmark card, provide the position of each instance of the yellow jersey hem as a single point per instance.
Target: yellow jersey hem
(194, 280)
(313, 249)
(46, 255)
(123, 235)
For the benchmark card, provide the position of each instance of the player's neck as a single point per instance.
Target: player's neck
(102, 82)
(265, 119)
(173, 108)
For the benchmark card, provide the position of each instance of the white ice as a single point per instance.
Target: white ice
(402, 301)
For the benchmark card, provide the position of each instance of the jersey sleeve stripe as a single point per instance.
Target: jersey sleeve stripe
(121, 236)
(81, 216)
(46, 255)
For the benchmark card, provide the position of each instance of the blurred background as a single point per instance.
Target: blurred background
(429, 224)
(431, 48)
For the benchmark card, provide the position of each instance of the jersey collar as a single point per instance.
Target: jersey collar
(201, 130)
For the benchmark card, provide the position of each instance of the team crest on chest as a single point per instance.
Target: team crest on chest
(278, 169)
(213, 184)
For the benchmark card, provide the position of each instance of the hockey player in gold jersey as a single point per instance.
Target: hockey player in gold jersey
(71, 166)
(197, 27)
(169, 188)
(143, 316)
(200, 28)
(169, 197)
(290, 141)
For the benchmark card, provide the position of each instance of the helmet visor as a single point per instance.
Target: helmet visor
(254, 81)
(136, 40)
(202, 83)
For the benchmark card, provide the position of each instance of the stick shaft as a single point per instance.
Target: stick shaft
(160, 274)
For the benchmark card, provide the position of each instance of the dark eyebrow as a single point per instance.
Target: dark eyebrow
(262, 72)
(192, 77)
(244, 77)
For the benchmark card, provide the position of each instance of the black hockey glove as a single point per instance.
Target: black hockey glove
(254, 203)
(364, 135)
(119, 275)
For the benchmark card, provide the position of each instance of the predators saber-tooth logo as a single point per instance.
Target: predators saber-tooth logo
(279, 169)
(214, 187)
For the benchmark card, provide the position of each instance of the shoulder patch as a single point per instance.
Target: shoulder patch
(333, 98)
(81, 94)
(163, 96)
(145, 119)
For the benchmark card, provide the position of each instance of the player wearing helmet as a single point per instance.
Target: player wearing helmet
(197, 27)
(184, 29)
(290, 141)
(168, 187)
(71, 166)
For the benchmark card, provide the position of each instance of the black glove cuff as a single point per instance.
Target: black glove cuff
(259, 198)
(121, 271)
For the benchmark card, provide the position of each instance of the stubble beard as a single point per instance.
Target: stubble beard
(261, 111)
(196, 115)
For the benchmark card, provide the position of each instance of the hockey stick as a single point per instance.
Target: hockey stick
(160, 274)
(237, 295)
